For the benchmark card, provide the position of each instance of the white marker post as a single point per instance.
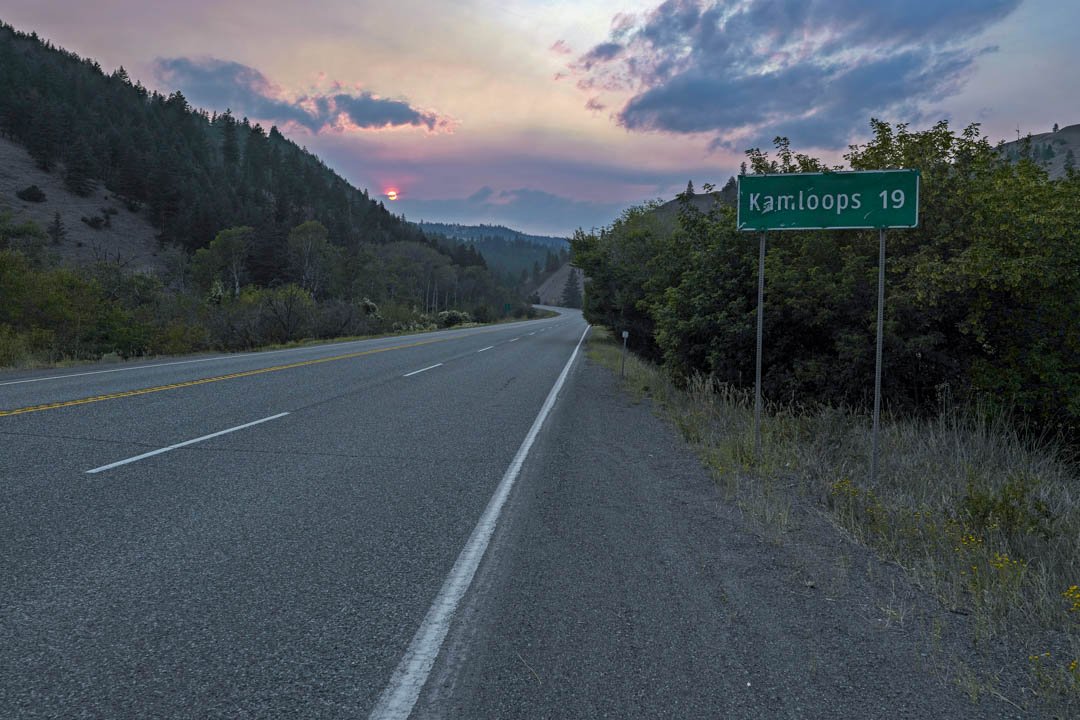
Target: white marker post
(622, 368)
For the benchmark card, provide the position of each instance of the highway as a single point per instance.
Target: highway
(475, 523)
(254, 535)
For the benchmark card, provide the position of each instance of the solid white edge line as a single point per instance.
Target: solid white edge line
(485, 349)
(152, 453)
(417, 372)
(397, 700)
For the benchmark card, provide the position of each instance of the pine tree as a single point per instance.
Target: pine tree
(80, 171)
(571, 294)
(1070, 161)
(1055, 127)
(56, 230)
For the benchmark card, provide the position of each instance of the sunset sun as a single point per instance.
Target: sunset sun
(391, 194)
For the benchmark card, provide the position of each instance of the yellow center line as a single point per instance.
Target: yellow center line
(204, 381)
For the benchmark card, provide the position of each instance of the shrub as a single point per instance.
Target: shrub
(31, 194)
(449, 318)
(14, 350)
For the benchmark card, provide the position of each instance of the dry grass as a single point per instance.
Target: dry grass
(976, 513)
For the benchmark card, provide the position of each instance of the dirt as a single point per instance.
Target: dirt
(129, 241)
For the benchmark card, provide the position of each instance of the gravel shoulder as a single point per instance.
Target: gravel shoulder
(621, 583)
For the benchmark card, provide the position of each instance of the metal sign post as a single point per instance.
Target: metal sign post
(877, 359)
(760, 334)
(870, 200)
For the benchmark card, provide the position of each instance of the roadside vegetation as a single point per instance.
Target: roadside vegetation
(51, 314)
(977, 498)
(262, 243)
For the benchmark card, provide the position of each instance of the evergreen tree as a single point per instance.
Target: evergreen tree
(571, 294)
(1070, 161)
(1055, 127)
(80, 171)
(56, 230)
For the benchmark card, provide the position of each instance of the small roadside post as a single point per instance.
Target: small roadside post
(861, 200)
(622, 367)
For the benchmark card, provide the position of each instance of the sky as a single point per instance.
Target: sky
(553, 115)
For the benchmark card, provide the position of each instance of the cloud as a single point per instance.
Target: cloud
(561, 48)
(814, 70)
(523, 209)
(223, 84)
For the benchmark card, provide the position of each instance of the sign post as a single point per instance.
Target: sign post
(760, 335)
(622, 367)
(868, 200)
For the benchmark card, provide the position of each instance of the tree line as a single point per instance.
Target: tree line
(982, 297)
(264, 242)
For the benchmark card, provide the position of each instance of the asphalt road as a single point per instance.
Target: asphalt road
(311, 534)
(278, 570)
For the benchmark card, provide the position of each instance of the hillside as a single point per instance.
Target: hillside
(1051, 150)
(195, 173)
(517, 258)
(550, 291)
(129, 240)
(181, 230)
(477, 232)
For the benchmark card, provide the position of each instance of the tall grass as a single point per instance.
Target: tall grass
(977, 513)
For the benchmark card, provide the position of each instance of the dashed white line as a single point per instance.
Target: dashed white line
(485, 349)
(399, 697)
(515, 339)
(152, 453)
(417, 372)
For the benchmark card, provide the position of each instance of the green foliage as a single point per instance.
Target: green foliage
(571, 294)
(981, 297)
(1013, 509)
(263, 243)
(450, 318)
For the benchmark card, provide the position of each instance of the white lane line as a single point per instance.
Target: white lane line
(485, 349)
(467, 332)
(400, 695)
(137, 458)
(515, 339)
(417, 372)
(532, 333)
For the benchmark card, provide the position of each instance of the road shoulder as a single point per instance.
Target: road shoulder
(622, 584)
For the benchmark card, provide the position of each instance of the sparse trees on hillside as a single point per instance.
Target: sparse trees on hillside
(56, 230)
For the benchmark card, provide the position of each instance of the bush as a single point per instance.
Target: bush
(14, 349)
(31, 194)
(449, 318)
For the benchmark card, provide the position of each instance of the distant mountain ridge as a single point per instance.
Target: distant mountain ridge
(475, 232)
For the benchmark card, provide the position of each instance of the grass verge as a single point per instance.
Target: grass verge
(976, 514)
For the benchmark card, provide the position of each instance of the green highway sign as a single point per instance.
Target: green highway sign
(829, 201)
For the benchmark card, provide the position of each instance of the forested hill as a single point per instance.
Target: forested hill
(259, 241)
(517, 258)
(476, 232)
(194, 172)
